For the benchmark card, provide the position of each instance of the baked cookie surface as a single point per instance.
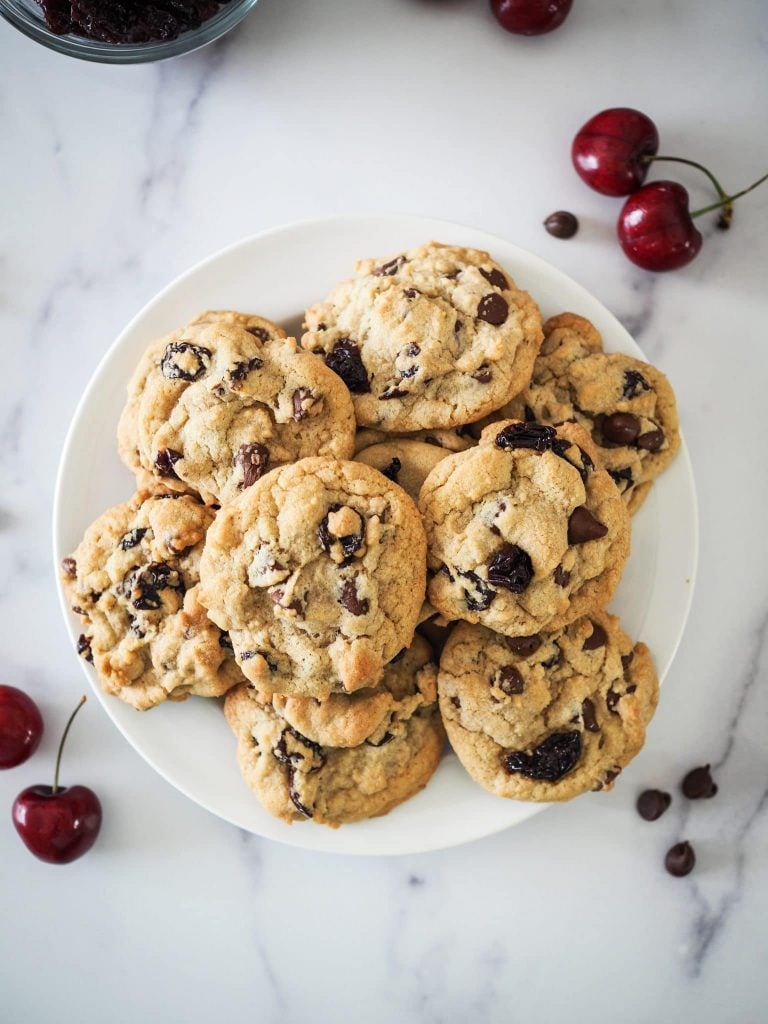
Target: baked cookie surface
(350, 757)
(133, 580)
(318, 574)
(436, 337)
(407, 463)
(627, 406)
(547, 716)
(525, 531)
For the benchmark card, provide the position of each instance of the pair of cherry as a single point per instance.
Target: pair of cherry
(612, 153)
(57, 823)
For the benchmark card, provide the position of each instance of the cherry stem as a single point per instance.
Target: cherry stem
(724, 205)
(730, 199)
(61, 745)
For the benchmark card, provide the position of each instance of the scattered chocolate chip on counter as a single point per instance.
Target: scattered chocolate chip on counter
(652, 803)
(698, 784)
(680, 859)
(561, 224)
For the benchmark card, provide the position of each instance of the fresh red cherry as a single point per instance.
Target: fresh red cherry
(611, 151)
(21, 726)
(58, 823)
(655, 228)
(531, 17)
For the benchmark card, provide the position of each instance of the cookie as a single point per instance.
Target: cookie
(437, 337)
(347, 758)
(318, 574)
(550, 715)
(221, 403)
(407, 463)
(134, 581)
(627, 406)
(450, 440)
(525, 532)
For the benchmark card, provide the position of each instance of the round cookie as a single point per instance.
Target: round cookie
(128, 427)
(437, 337)
(220, 406)
(407, 463)
(525, 531)
(318, 574)
(627, 406)
(134, 582)
(347, 758)
(547, 716)
(451, 440)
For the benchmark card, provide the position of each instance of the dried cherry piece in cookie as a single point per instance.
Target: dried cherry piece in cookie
(557, 755)
(526, 435)
(254, 462)
(391, 268)
(165, 461)
(481, 595)
(184, 361)
(143, 586)
(240, 371)
(132, 538)
(345, 361)
(634, 383)
(84, 647)
(511, 568)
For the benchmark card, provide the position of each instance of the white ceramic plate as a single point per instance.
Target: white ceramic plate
(278, 274)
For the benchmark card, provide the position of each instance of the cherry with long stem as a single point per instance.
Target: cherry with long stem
(726, 201)
(61, 745)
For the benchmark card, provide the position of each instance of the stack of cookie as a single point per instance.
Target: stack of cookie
(306, 514)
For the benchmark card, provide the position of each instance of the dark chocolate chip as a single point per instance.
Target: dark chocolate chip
(300, 395)
(561, 224)
(171, 368)
(345, 360)
(620, 428)
(588, 715)
(634, 382)
(652, 803)
(597, 638)
(523, 645)
(253, 459)
(511, 568)
(611, 775)
(412, 349)
(482, 595)
(510, 681)
(494, 277)
(650, 441)
(622, 476)
(493, 308)
(411, 293)
(561, 577)
(612, 698)
(132, 538)
(292, 793)
(482, 374)
(680, 859)
(525, 435)
(456, 702)
(626, 660)
(393, 469)
(278, 596)
(351, 601)
(557, 755)
(292, 757)
(391, 268)
(386, 738)
(84, 647)
(259, 332)
(142, 586)
(349, 543)
(698, 784)
(165, 460)
(392, 391)
(240, 370)
(69, 565)
(583, 527)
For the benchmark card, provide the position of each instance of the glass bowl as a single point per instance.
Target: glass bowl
(27, 17)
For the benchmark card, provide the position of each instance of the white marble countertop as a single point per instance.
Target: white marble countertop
(115, 180)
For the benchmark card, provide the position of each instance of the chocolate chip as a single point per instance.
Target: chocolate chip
(610, 776)
(132, 538)
(84, 647)
(391, 268)
(494, 277)
(620, 476)
(526, 435)
(278, 596)
(482, 596)
(511, 568)
(456, 702)
(651, 440)
(69, 565)
(300, 396)
(165, 460)
(300, 807)
(142, 586)
(493, 308)
(171, 368)
(253, 459)
(621, 428)
(392, 391)
(698, 784)
(583, 527)
(225, 641)
(652, 803)
(633, 383)
(561, 577)
(510, 681)
(349, 543)
(550, 761)
(588, 715)
(680, 859)
(612, 698)
(386, 738)
(240, 370)
(561, 224)
(482, 374)
(294, 756)
(626, 660)
(345, 360)
(411, 293)
(412, 349)
(259, 332)
(525, 646)
(597, 638)
(351, 601)
(393, 469)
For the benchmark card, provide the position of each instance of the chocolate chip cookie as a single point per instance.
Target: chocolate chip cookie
(347, 758)
(435, 337)
(133, 580)
(550, 715)
(318, 574)
(525, 531)
(407, 463)
(451, 440)
(219, 403)
(627, 406)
